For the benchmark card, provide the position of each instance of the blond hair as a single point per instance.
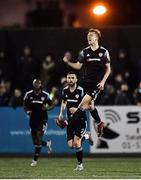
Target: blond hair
(97, 31)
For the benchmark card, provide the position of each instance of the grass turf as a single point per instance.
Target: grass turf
(59, 168)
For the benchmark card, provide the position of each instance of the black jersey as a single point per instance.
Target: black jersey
(94, 64)
(35, 103)
(73, 98)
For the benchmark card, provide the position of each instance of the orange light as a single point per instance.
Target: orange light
(99, 10)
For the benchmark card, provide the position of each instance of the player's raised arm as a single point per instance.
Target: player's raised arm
(76, 65)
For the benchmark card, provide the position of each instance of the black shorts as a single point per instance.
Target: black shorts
(76, 127)
(91, 90)
(38, 126)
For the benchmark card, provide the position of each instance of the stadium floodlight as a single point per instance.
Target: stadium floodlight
(99, 10)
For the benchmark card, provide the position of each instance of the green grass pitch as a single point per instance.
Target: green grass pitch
(58, 168)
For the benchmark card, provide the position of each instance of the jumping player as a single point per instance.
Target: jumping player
(96, 61)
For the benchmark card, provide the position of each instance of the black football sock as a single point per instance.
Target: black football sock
(77, 114)
(79, 155)
(44, 143)
(37, 152)
(95, 115)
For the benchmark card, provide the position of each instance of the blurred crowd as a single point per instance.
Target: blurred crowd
(16, 79)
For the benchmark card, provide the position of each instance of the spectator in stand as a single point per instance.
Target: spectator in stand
(122, 96)
(28, 69)
(2, 95)
(63, 82)
(16, 99)
(139, 69)
(109, 96)
(48, 72)
(118, 80)
(123, 62)
(5, 90)
(137, 95)
(54, 95)
(5, 69)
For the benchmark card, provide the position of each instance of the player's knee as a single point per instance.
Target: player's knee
(85, 106)
(76, 144)
(70, 145)
(37, 142)
(91, 107)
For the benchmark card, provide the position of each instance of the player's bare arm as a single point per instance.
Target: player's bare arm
(106, 75)
(76, 65)
(62, 109)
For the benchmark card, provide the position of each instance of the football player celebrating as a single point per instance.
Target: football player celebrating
(76, 129)
(96, 61)
(36, 104)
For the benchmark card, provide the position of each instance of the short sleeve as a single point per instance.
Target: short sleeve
(25, 97)
(82, 93)
(107, 57)
(81, 57)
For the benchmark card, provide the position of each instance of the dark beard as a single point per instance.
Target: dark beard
(71, 85)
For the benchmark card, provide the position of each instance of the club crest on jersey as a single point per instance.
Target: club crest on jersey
(31, 97)
(42, 98)
(77, 96)
(100, 54)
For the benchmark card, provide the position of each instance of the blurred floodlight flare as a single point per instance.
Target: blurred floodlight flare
(99, 10)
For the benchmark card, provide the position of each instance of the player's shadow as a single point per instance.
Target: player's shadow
(107, 134)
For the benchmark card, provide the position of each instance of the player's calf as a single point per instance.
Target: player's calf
(90, 139)
(79, 156)
(100, 127)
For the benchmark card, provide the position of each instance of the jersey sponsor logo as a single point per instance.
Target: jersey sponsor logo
(77, 96)
(42, 98)
(37, 102)
(72, 100)
(94, 59)
(100, 54)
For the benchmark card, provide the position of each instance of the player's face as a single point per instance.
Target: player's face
(71, 79)
(37, 85)
(92, 38)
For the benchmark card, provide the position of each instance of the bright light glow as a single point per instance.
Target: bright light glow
(99, 10)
